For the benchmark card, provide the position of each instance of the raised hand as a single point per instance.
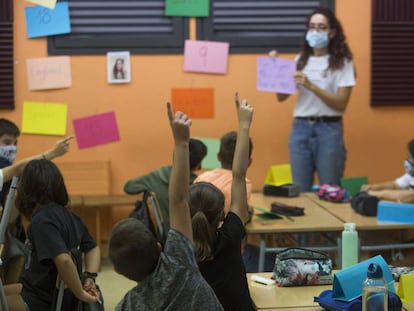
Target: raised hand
(61, 147)
(180, 124)
(244, 112)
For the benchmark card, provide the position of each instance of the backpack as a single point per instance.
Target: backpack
(326, 301)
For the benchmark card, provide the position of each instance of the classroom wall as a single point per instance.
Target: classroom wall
(375, 137)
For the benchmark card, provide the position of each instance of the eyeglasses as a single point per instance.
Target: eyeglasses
(318, 27)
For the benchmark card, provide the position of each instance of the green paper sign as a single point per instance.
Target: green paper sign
(197, 8)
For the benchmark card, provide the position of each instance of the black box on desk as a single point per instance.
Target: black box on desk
(288, 190)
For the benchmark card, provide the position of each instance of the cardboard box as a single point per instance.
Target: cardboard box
(395, 212)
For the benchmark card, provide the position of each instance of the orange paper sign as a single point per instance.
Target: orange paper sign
(195, 102)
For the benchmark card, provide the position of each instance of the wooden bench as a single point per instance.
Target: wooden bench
(89, 186)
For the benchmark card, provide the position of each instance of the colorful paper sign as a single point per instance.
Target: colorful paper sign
(206, 56)
(96, 130)
(47, 3)
(276, 75)
(41, 21)
(210, 161)
(195, 102)
(198, 8)
(49, 73)
(44, 118)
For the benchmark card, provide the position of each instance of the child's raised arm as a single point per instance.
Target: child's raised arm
(178, 191)
(60, 148)
(239, 203)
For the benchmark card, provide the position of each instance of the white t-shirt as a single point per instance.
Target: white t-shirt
(308, 104)
(405, 181)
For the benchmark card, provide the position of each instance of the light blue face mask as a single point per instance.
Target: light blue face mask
(8, 153)
(317, 39)
(409, 168)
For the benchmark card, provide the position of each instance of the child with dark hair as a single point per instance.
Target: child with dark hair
(401, 189)
(52, 233)
(157, 181)
(9, 132)
(218, 249)
(167, 279)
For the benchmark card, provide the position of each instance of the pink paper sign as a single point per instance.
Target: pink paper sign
(96, 130)
(49, 73)
(206, 56)
(276, 75)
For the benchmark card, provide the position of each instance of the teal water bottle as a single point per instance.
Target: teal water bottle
(349, 245)
(374, 290)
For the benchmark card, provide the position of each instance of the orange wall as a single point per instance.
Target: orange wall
(375, 137)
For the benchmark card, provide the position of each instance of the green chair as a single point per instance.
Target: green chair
(353, 184)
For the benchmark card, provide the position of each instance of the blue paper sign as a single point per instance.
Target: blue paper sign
(41, 21)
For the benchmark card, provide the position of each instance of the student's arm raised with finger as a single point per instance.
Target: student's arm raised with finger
(239, 203)
(178, 191)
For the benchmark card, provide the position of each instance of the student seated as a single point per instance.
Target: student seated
(218, 248)
(401, 189)
(157, 181)
(168, 279)
(52, 233)
(222, 177)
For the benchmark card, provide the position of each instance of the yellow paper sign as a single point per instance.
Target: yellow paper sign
(278, 175)
(406, 287)
(47, 3)
(44, 118)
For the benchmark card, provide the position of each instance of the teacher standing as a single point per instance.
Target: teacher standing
(325, 77)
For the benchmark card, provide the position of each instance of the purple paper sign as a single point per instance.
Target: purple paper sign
(206, 56)
(276, 75)
(96, 130)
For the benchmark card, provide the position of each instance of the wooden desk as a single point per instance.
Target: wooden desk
(273, 297)
(97, 202)
(316, 219)
(345, 213)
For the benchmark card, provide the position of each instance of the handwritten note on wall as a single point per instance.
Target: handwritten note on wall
(276, 75)
(196, 103)
(96, 130)
(47, 3)
(49, 73)
(199, 8)
(206, 56)
(41, 21)
(44, 118)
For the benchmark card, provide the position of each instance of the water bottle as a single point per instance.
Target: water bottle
(374, 290)
(349, 245)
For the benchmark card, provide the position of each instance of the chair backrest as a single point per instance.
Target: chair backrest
(156, 216)
(353, 184)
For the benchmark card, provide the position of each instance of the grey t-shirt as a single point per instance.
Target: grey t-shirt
(176, 283)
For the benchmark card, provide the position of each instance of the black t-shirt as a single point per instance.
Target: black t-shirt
(53, 230)
(226, 273)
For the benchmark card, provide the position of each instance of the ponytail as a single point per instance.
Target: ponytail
(203, 236)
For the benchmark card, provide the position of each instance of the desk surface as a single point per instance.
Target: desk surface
(273, 297)
(109, 200)
(346, 213)
(316, 218)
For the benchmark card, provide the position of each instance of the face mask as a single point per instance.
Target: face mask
(8, 153)
(317, 39)
(409, 168)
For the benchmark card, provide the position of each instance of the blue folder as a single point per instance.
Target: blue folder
(347, 284)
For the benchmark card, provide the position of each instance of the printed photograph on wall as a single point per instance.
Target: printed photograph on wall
(118, 67)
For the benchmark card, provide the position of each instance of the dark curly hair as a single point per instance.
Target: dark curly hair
(338, 48)
(41, 183)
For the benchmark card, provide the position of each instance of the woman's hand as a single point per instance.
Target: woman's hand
(302, 79)
(274, 54)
